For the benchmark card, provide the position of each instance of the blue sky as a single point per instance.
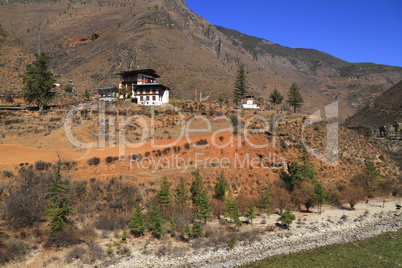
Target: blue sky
(353, 30)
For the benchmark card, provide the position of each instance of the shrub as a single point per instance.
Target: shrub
(41, 165)
(110, 222)
(11, 251)
(55, 119)
(12, 121)
(25, 205)
(95, 252)
(75, 253)
(94, 161)
(68, 88)
(9, 97)
(202, 142)
(7, 174)
(187, 146)
(69, 164)
(110, 159)
(163, 250)
(58, 239)
(124, 251)
(176, 149)
(135, 157)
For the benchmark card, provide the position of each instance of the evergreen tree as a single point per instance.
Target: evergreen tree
(137, 224)
(294, 97)
(303, 170)
(200, 198)
(287, 218)
(197, 230)
(276, 97)
(221, 187)
(196, 186)
(232, 208)
(266, 201)
(59, 205)
(203, 205)
(240, 86)
(86, 95)
(39, 82)
(249, 214)
(372, 172)
(319, 195)
(370, 177)
(187, 233)
(164, 195)
(155, 220)
(181, 195)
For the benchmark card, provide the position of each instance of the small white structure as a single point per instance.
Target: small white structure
(249, 103)
(107, 94)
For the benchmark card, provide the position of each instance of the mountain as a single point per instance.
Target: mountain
(384, 110)
(90, 41)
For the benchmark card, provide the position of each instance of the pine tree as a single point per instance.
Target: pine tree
(249, 214)
(39, 82)
(155, 221)
(287, 218)
(294, 97)
(137, 224)
(197, 230)
(59, 205)
(232, 209)
(164, 195)
(240, 86)
(303, 170)
(203, 205)
(200, 198)
(266, 201)
(196, 186)
(187, 232)
(371, 176)
(319, 195)
(221, 187)
(276, 97)
(181, 195)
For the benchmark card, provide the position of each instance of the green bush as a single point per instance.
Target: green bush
(287, 218)
(232, 241)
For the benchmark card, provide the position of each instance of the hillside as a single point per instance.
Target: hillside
(384, 110)
(90, 41)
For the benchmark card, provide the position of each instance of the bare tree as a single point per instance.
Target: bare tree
(352, 194)
(280, 198)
